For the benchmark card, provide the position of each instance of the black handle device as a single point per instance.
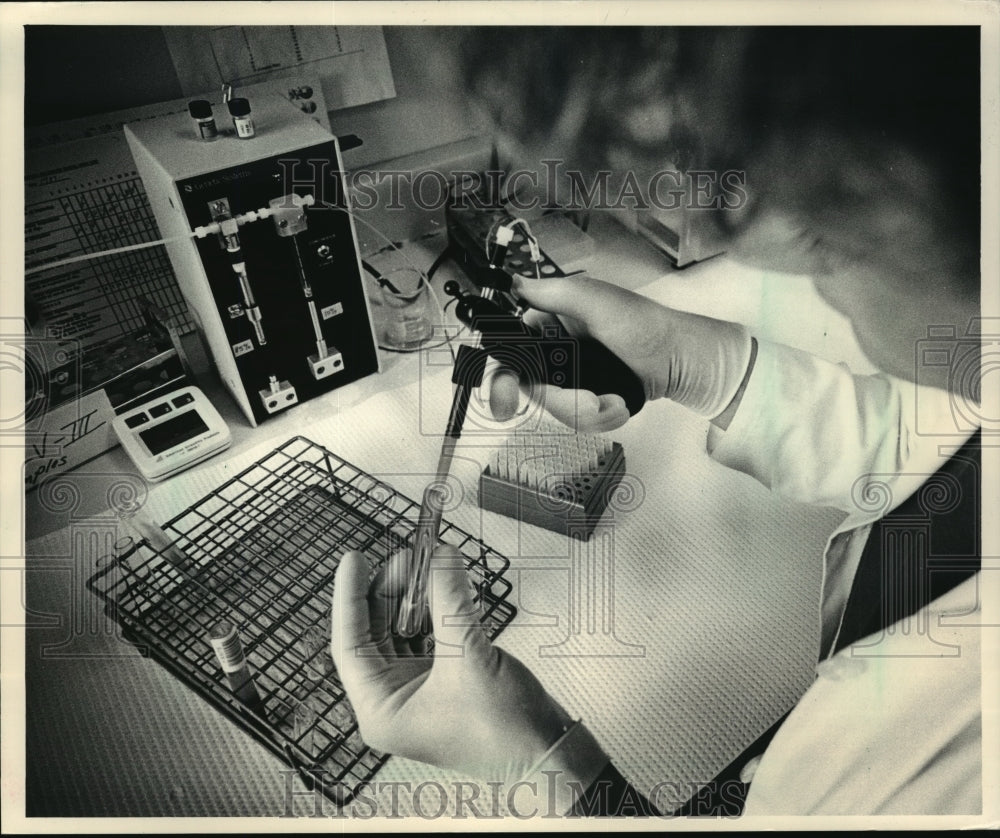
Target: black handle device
(546, 354)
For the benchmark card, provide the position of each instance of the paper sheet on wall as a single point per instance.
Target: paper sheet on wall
(351, 61)
(84, 195)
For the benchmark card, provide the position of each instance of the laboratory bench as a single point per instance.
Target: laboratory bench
(696, 630)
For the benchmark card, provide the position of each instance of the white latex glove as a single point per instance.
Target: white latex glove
(696, 361)
(470, 707)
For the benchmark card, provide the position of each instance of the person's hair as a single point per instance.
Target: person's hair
(823, 120)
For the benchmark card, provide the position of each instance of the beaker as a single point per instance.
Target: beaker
(406, 319)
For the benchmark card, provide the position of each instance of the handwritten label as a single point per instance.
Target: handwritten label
(332, 311)
(68, 435)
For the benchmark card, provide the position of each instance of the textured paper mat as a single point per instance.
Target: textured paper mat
(678, 633)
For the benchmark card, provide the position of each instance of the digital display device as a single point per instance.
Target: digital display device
(183, 427)
(172, 433)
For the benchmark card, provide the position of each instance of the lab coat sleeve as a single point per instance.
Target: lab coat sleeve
(891, 726)
(809, 429)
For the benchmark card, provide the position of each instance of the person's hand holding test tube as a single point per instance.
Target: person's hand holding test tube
(453, 707)
(411, 617)
(413, 598)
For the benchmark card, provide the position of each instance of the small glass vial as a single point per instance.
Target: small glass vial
(201, 113)
(239, 109)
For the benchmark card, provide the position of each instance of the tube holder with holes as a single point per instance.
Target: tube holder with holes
(570, 503)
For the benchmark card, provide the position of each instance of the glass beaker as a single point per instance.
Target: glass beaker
(406, 319)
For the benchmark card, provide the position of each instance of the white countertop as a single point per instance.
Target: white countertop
(716, 584)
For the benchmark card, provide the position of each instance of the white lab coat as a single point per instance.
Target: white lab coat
(895, 729)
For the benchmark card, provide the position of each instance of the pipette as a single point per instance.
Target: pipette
(547, 354)
(412, 614)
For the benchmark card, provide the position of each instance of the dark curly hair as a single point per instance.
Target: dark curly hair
(825, 121)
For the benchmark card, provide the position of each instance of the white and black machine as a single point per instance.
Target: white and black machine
(264, 249)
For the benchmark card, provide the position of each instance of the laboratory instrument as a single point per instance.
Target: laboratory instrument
(172, 433)
(263, 244)
(560, 481)
(72, 393)
(540, 354)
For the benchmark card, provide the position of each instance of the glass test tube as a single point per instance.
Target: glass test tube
(341, 714)
(304, 720)
(110, 565)
(314, 644)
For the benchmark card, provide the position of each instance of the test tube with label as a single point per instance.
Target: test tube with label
(228, 648)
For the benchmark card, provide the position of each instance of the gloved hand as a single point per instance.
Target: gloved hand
(696, 361)
(471, 707)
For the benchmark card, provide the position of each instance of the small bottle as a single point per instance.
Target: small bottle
(225, 640)
(201, 113)
(240, 111)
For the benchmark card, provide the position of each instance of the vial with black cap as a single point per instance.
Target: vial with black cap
(201, 113)
(239, 109)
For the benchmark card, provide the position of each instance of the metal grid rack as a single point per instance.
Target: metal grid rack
(261, 552)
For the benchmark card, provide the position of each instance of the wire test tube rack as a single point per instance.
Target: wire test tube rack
(260, 552)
